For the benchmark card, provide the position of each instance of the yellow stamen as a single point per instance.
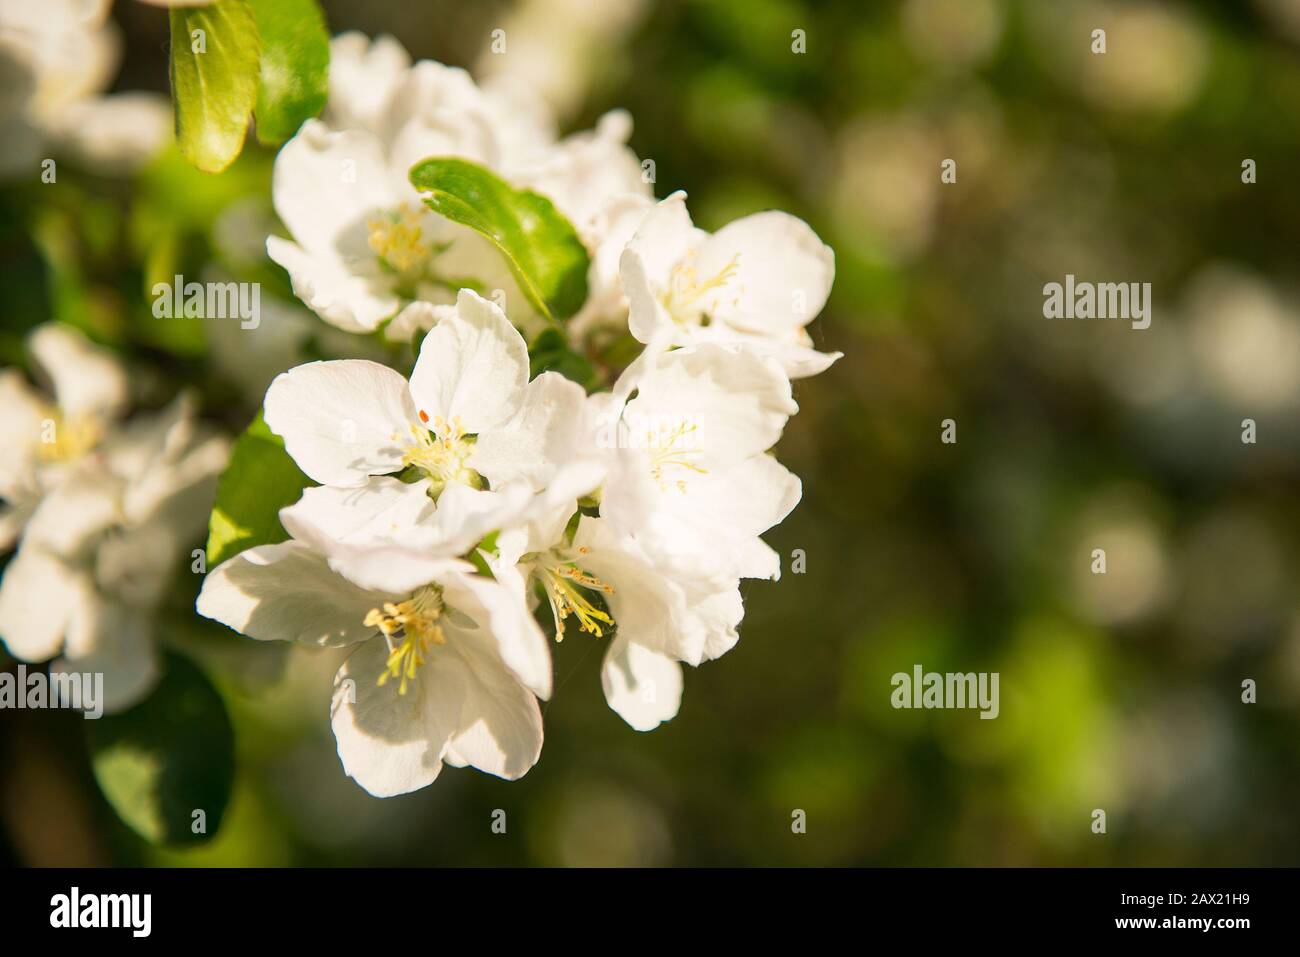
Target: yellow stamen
(409, 627)
(564, 582)
(64, 440)
(686, 288)
(397, 238)
(666, 452)
(442, 454)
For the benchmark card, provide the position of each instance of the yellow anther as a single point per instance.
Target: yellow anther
(410, 628)
(564, 583)
(686, 288)
(442, 454)
(398, 239)
(65, 440)
(672, 449)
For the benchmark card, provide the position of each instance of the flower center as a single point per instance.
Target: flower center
(64, 440)
(673, 449)
(397, 238)
(565, 584)
(686, 288)
(409, 628)
(442, 454)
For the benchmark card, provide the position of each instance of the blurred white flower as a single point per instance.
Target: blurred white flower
(1245, 337)
(889, 206)
(1138, 579)
(953, 33)
(46, 436)
(559, 47)
(1156, 55)
(56, 58)
(105, 509)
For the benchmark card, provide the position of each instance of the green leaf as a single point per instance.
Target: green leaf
(539, 244)
(167, 758)
(294, 74)
(260, 480)
(214, 80)
(550, 352)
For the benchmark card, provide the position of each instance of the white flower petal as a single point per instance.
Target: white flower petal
(661, 242)
(351, 301)
(585, 170)
(745, 500)
(756, 559)
(179, 493)
(363, 76)
(647, 319)
(448, 132)
(383, 511)
(392, 743)
(544, 433)
(607, 235)
(645, 604)
(642, 686)
(392, 567)
(781, 273)
(735, 404)
(37, 595)
(390, 535)
(69, 519)
(326, 185)
(709, 531)
(107, 637)
(342, 421)
(472, 367)
(134, 447)
(665, 237)
(21, 413)
(789, 350)
(713, 618)
(116, 133)
(416, 318)
(135, 564)
(538, 528)
(88, 381)
(286, 592)
(500, 725)
(506, 627)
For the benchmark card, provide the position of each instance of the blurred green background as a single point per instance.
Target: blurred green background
(1120, 692)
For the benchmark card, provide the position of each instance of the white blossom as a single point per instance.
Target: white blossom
(56, 59)
(447, 664)
(101, 509)
(364, 245)
(754, 284)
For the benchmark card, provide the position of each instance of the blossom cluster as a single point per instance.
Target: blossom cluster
(456, 510)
